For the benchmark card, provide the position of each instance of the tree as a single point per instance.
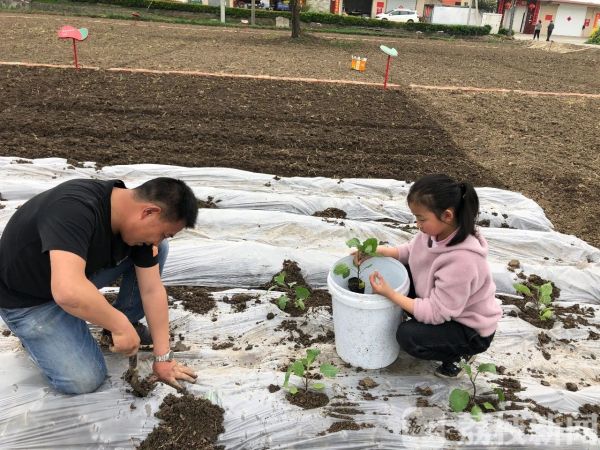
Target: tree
(295, 7)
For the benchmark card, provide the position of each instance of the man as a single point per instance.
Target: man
(64, 244)
(550, 29)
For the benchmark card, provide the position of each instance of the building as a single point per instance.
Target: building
(571, 17)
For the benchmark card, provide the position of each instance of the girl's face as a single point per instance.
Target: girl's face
(430, 224)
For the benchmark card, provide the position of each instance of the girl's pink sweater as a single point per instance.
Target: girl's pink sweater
(452, 283)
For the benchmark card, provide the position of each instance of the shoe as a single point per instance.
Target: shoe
(453, 369)
(142, 331)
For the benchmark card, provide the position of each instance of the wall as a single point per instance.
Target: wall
(572, 27)
(547, 10)
(454, 16)
(519, 21)
(319, 5)
(493, 20)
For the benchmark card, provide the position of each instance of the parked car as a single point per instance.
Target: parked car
(399, 15)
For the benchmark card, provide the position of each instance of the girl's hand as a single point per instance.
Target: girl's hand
(359, 258)
(379, 285)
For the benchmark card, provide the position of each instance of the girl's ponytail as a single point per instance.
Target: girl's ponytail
(466, 212)
(439, 193)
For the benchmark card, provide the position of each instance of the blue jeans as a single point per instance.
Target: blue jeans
(61, 344)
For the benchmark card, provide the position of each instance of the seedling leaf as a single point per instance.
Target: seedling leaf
(342, 269)
(354, 242)
(286, 380)
(467, 369)
(280, 279)
(500, 393)
(489, 406)
(318, 386)
(546, 291)
(302, 293)
(293, 390)
(329, 370)
(311, 355)
(299, 304)
(370, 247)
(487, 367)
(459, 399)
(522, 289)
(298, 368)
(476, 413)
(546, 314)
(282, 302)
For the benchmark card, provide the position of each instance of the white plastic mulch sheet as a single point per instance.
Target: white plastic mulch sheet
(261, 221)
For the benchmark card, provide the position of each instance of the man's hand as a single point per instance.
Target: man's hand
(380, 286)
(171, 371)
(125, 341)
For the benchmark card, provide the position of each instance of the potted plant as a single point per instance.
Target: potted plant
(364, 249)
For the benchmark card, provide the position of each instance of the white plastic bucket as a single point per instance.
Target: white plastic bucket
(365, 324)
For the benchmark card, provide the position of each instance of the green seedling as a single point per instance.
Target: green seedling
(542, 297)
(460, 398)
(299, 293)
(302, 368)
(368, 248)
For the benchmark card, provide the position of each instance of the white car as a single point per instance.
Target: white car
(399, 15)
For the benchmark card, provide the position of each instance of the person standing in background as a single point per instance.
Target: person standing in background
(550, 29)
(537, 30)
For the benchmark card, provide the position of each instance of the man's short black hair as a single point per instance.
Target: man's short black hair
(175, 198)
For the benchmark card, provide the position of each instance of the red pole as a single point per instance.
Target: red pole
(387, 71)
(75, 54)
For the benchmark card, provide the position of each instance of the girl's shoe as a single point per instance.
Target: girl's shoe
(453, 369)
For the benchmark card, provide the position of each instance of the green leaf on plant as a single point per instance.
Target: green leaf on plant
(500, 393)
(280, 279)
(299, 304)
(361, 284)
(286, 380)
(546, 314)
(342, 269)
(329, 370)
(302, 293)
(476, 413)
(354, 242)
(293, 390)
(546, 290)
(519, 287)
(370, 247)
(459, 399)
(311, 355)
(298, 368)
(318, 386)
(467, 369)
(282, 302)
(487, 367)
(489, 406)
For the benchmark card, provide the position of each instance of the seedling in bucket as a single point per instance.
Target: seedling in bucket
(365, 249)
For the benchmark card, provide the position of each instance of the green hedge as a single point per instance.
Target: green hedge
(595, 37)
(331, 19)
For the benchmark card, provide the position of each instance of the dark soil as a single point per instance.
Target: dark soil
(297, 335)
(346, 425)
(510, 386)
(187, 423)
(273, 388)
(451, 433)
(208, 203)
(140, 387)
(331, 213)
(308, 399)
(425, 391)
(6, 333)
(492, 139)
(239, 301)
(193, 298)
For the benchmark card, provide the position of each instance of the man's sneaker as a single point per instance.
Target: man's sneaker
(140, 328)
(453, 369)
(144, 334)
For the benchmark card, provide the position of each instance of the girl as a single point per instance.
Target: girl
(452, 291)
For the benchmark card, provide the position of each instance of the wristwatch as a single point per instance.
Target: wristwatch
(164, 358)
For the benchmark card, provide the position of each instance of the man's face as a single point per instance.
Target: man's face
(151, 229)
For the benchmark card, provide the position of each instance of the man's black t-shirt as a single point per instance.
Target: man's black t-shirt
(73, 216)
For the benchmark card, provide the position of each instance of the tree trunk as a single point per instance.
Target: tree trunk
(295, 18)
(253, 12)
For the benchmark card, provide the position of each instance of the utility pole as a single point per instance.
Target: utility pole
(253, 12)
(222, 11)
